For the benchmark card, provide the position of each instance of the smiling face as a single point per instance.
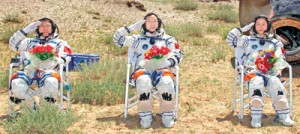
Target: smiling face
(45, 28)
(151, 23)
(261, 25)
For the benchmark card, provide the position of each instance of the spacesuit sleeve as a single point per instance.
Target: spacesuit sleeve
(280, 62)
(278, 49)
(121, 39)
(18, 41)
(177, 54)
(64, 51)
(235, 39)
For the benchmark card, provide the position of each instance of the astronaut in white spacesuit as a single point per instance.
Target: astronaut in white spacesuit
(146, 77)
(45, 75)
(266, 74)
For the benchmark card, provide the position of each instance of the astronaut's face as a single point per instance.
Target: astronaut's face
(151, 23)
(45, 28)
(261, 26)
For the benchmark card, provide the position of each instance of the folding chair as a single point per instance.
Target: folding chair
(15, 63)
(132, 101)
(239, 79)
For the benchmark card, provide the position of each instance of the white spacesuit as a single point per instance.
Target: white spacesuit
(146, 76)
(44, 74)
(255, 45)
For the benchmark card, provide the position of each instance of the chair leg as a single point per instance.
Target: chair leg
(69, 99)
(177, 92)
(126, 102)
(234, 93)
(9, 110)
(126, 92)
(68, 88)
(242, 94)
(291, 89)
(176, 103)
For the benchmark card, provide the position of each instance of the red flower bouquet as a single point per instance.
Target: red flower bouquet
(43, 52)
(265, 60)
(42, 57)
(156, 53)
(156, 56)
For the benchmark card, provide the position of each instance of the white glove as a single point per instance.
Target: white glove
(32, 27)
(247, 27)
(165, 64)
(60, 60)
(136, 26)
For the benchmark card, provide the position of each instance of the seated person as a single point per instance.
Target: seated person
(44, 73)
(263, 60)
(148, 72)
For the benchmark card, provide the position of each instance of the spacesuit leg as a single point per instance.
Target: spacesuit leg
(143, 89)
(49, 87)
(166, 89)
(256, 86)
(278, 95)
(19, 90)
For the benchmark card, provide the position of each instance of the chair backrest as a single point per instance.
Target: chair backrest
(132, 57)
(240, 55)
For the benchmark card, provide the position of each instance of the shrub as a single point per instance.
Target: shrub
(14, 18)
(186, 5)
(224, 13)
(218, 54)
(8, 32)
(46, 119)
(101, 83)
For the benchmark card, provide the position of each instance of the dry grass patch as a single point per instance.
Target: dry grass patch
(186, 5)
(13, 18)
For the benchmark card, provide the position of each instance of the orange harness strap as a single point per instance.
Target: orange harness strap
(57, 76)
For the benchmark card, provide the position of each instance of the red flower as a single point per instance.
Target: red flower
(267, 65)
(148, 54)
(261, 64)
(258, 60)
(147, 57)
(48, 48)
(265, 61)
(41, 49)
(262, 67)
(154, 50)
(154, 47)
(33, 50)
(163, 50)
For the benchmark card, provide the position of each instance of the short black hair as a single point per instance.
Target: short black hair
(160, 23)
(53, 25)
(269, 23)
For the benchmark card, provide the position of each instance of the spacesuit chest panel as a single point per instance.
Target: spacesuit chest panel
(146, 44)
(35, 42)
(256, 46)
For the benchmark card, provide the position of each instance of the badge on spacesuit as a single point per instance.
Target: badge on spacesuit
(254, 46)
(145, 46)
